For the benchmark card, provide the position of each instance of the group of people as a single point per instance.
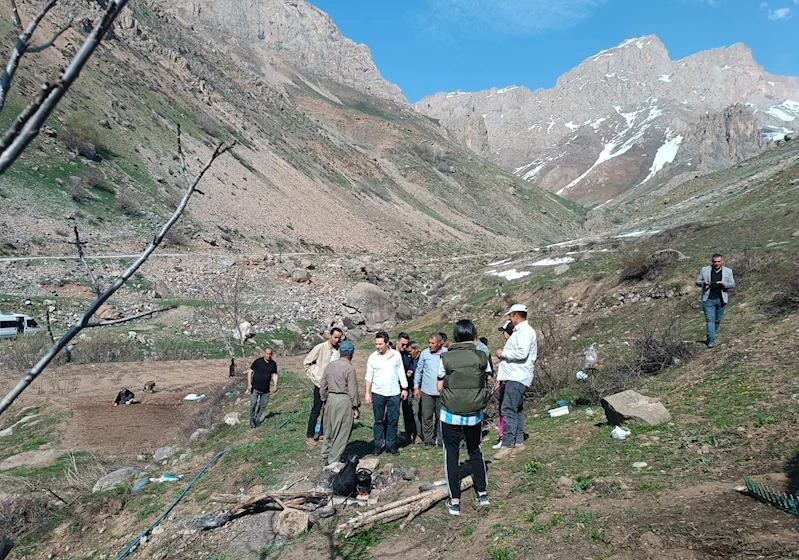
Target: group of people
(442, 390)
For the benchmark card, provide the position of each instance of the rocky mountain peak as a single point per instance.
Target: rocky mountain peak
(291, 33)
(626, 117)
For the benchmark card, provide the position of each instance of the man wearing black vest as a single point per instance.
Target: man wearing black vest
(464, 393)
(262, 374)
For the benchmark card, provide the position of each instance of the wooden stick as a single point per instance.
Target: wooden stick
(237, 498)
(408, 508)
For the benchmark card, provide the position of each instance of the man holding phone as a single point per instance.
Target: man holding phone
(716, 281)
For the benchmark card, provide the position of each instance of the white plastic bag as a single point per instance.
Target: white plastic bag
(619, 433)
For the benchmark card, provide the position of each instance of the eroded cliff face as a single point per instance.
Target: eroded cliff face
(620, 120)
(290, 33)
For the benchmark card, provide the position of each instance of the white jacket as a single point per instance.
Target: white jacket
(518, 355)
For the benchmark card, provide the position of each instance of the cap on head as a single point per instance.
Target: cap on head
(346, 349)
(517, 307)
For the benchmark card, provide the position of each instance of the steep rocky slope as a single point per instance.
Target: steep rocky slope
(328, 157)
(626, 120)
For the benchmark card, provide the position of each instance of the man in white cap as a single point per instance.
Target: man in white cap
(517, 359)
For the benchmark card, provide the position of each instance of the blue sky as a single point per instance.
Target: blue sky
(427, 46)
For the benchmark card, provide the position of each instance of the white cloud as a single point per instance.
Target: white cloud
(782, 13)
(510, 17)
(778, 14)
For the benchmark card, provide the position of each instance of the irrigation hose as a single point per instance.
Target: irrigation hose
(146, 532)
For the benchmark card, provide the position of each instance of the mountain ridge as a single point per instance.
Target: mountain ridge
(631, 95)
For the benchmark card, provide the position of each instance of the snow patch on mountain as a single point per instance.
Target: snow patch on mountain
(787, 111)
(665, 154)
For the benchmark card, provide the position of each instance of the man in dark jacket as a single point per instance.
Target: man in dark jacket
(462, 384)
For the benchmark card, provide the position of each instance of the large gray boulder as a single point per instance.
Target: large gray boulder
(629, 407)
(114, 479)
(373, 303)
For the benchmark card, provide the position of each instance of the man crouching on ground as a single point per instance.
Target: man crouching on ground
(464, 393)
(339, 391)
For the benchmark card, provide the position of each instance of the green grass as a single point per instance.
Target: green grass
(32, 435)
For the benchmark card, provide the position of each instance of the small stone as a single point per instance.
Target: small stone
(640, 465)
(565, 482)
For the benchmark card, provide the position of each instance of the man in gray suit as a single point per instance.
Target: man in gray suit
(716, 281)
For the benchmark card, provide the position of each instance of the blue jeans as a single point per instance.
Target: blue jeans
(714, 313)
(386, 410)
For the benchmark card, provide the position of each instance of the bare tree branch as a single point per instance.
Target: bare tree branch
(51, 42)
(84, 321)
(21, 47)
(82, 257)
(15, 16)
(39, 112)
(127, 319)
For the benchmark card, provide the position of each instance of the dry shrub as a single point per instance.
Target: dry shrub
(76, 190)
(127, 204)
(105, 347)
(21, 353)
(785, 285)
(175, 237)
(658, 345)
(18, 515)
(82, 475)
(749, 263)
(93, 177)
(553, 370)
(648, 267)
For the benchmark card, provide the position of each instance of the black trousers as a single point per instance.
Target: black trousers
(452, 439)
(316, 412)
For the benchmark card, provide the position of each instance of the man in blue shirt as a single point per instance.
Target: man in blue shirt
(425, 386)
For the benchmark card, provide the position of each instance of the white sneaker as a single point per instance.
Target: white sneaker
(498, 445)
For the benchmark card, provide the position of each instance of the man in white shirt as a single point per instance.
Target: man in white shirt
(386, 386)
(517, 360)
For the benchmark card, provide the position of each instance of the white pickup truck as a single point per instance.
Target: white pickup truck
(15, 324)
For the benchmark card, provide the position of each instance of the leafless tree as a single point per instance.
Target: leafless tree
(227, 313)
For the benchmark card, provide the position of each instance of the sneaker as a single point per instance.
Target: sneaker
(482, 499)
(320, 438)
(454, 509)
(377, 451)
(311, 442)
(520, 447)
(498, 445)
(505, 453)
(711, 344)
(394, 451)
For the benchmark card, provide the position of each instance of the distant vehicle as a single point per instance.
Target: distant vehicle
(15, 324)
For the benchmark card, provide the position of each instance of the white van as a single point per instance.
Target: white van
(15, 324)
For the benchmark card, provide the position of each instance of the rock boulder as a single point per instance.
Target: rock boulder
(629, 407)
(373, 303)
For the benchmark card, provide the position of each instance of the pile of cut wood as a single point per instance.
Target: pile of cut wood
(408, 508)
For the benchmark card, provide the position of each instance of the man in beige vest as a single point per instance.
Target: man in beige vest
(315, 363)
